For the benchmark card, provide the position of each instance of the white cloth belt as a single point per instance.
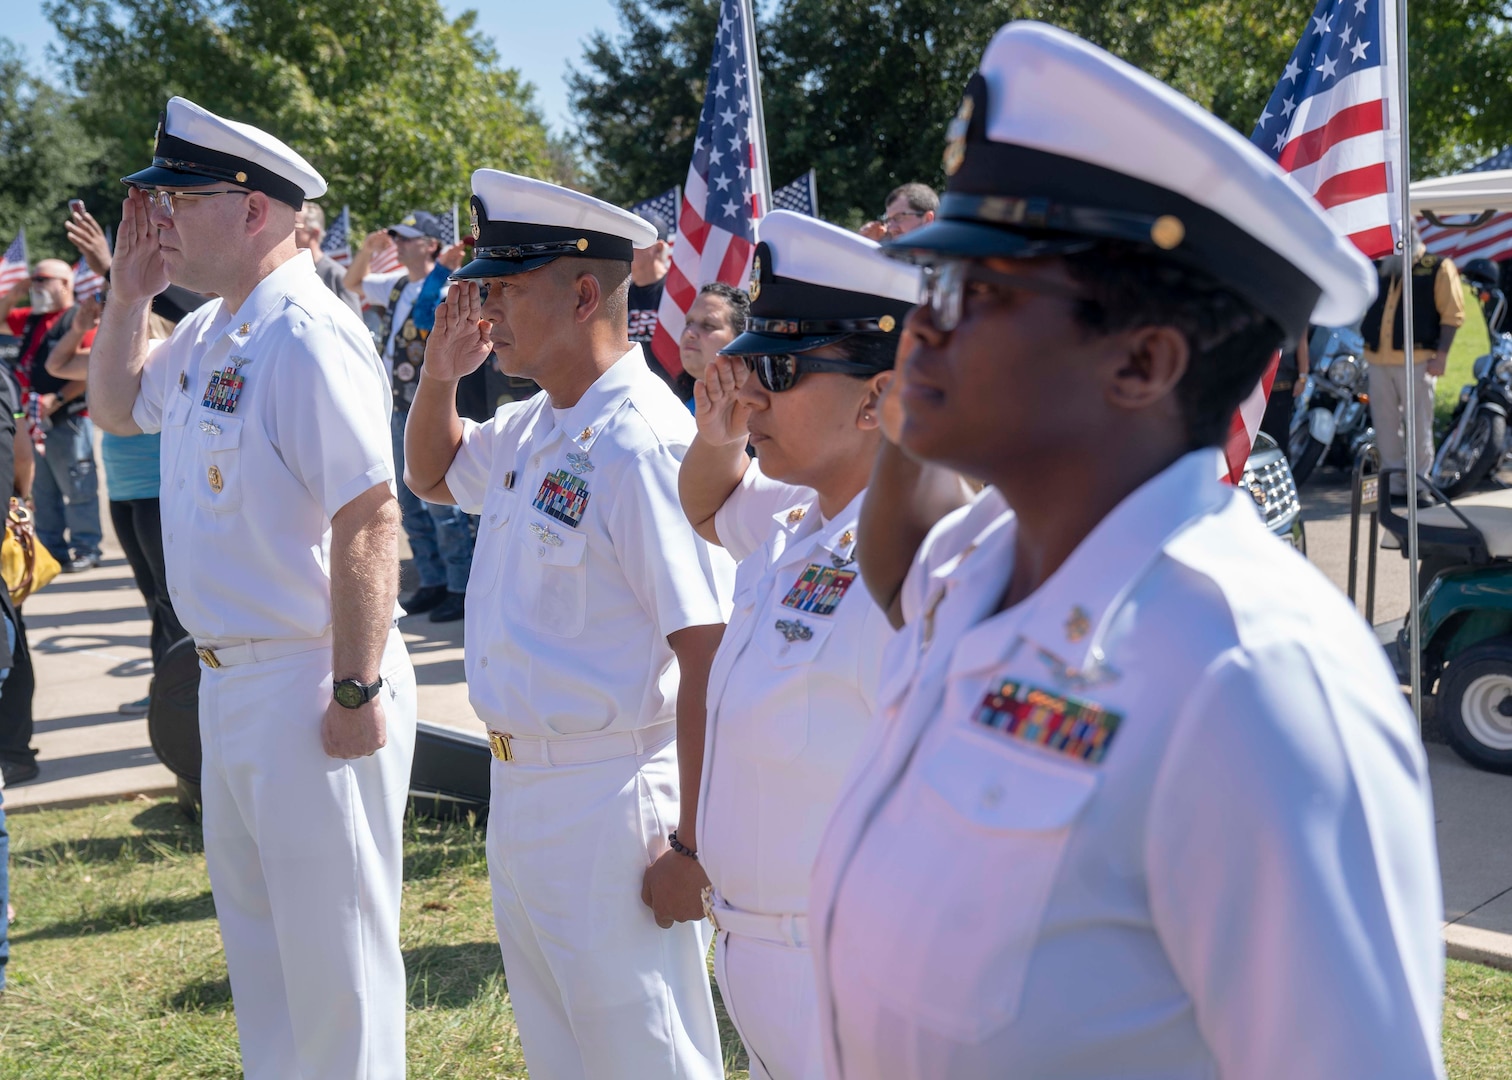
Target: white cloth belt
(789, 930)
(579, 749)
(266, 649)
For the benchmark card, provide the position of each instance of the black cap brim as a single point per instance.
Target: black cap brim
(752, 343)
(155, 176)
(496, 268)
(947, 239)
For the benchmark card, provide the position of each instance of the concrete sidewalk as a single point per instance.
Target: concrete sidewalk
(88, 634)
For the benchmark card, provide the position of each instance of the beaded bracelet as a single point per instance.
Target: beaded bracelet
(681, 848)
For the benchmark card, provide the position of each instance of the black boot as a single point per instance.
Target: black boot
(423, 599)
(451, 609)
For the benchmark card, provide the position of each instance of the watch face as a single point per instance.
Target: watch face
(349, 695)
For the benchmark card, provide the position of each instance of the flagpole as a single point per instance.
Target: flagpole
(748, 11)
(456, 227)
(1404, 302)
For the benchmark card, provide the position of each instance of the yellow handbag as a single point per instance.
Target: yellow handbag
(25, 564)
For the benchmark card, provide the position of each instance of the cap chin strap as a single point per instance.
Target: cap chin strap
(529, 251)
(883, 324)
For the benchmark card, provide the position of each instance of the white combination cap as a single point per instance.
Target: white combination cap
(519, 224)
(1059, 146)
(813, 284)
(196, 148)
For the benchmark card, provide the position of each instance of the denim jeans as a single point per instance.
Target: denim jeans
(67, 490)
(441, 537)
(10, 633)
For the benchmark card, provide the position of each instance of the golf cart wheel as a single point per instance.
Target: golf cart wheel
(1475, 705)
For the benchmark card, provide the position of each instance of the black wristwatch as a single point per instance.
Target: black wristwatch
(352, 694)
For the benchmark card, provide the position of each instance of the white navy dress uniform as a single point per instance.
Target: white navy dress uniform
(792, 691)
(584, 566)
(274, 417)
(1169, 816)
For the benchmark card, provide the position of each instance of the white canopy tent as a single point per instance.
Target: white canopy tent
(1463, 193)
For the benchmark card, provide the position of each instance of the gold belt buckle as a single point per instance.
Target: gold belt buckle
(707, 896)
(498, 743)
(208, 656)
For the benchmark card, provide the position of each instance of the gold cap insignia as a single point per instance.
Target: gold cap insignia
(582, 244)
(795, 515)
(472, 214)
(755, 289)
(1167, 232)
(1078, 625)
(241, 178)
(216, 480)
(886, 324)
(955, 136)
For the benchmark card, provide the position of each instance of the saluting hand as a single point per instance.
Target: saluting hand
(137, 272)
(720, 413)
(376, 241)
(458, 343)
(673, 889)
(354, 733)
(452, 257)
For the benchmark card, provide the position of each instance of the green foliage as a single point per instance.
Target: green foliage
(863, 91)
(46, 157)
(393, 103)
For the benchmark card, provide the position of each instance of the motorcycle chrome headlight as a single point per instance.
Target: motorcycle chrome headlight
(1344, 371)
(1503, 369)
(1482, 366)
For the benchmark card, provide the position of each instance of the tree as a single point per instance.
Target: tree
(393, 103)
(45, 156)
(863, 91)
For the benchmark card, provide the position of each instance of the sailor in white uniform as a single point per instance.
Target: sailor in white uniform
(280, 531)
(792, 693)
(1147, 801)
(593, 612)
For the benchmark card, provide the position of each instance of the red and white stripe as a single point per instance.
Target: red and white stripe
(13, 265)
(1339, 150)
(86, 282)
(386, 261)
(1493, 240)
(701, 253)
(1246, 424)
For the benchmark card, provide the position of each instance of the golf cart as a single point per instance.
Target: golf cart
(1464, 573)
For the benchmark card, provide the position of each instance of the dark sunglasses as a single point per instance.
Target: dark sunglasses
(781, 371)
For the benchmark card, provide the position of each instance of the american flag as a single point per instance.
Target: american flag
(336, 244)
(386, 261)
(663, 206)
(801, 196)
(450, 233)
(1332, 120)
(86, 281)
(13, 268)
(721, 199)
(1493, 240)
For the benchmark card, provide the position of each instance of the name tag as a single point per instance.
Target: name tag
(819, 589)
(1062, 725)
(563, 496)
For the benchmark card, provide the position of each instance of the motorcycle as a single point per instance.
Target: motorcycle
(1331, 420)
(1477, 437)
(1476, 440)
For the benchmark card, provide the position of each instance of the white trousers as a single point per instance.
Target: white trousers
(770, 994)
(305, 861)
(1388, 402)
(600, 992)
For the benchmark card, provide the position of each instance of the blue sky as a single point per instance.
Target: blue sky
(538, 39)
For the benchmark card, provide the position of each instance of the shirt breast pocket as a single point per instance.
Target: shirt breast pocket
(998, 821)
(218, 487)
(789, 641)
(553, 581)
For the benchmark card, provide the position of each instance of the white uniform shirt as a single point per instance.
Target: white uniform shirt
(1243, 885)
(248, 495)
(786, 717)
(584, 563)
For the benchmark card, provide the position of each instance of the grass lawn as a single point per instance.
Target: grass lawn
(1471, 341)
(116, 968)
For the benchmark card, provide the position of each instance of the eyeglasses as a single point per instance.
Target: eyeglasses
(945, 284)
(893, 219)
(164, 200)
(780, 372)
